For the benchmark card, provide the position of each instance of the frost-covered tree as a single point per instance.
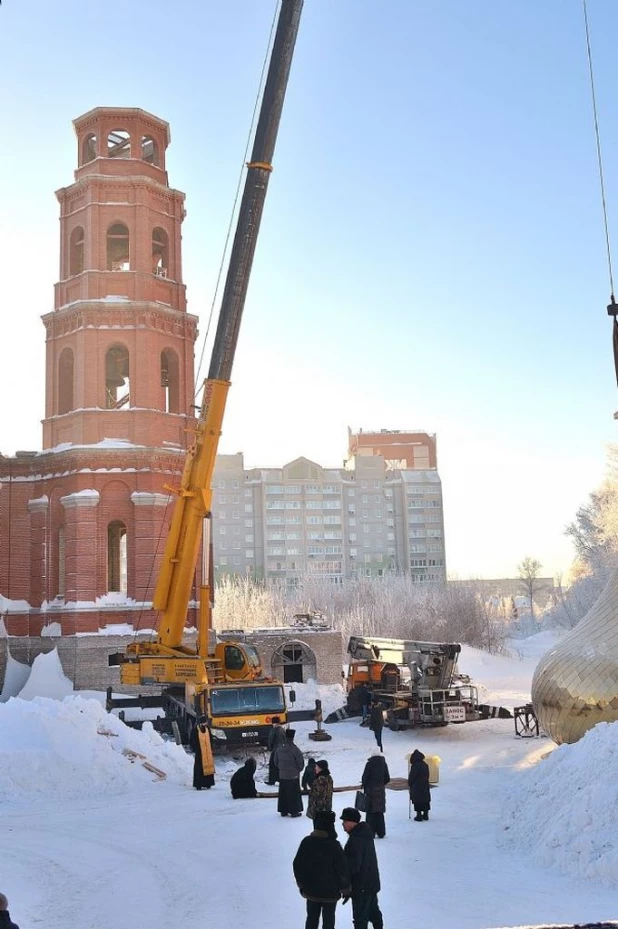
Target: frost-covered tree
(528, 572)
(392, 607)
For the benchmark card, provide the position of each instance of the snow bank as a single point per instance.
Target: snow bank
(72, 749)
(15, 676)
(564, 810)
(332, 696)
(46, 679)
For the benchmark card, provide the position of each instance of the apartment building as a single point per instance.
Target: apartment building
(281, 524)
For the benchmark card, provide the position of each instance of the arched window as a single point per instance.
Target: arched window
(118, 248)
(89, 148)
(119, 144)
(150, 150)
(170, 380)
(65, 381)
(294, 663)
(117, 557)
(76, 251)
(117, 389)
(160, 252)
(61, 564)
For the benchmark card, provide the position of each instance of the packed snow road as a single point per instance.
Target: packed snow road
(520, 833)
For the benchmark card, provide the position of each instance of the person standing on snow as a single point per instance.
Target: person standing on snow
(203, 764)
(5, 917)
(321, 791)
(276, 737)
(308, 774)
(242, 783)
(364, 695)
(290, 762)
(321, 872)
(374, 780)
(360, 852)
(418, 782)
(376, 722)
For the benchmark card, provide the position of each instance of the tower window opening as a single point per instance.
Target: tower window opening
(89, 148)
(170, 381)
(76, 251)
(61, 564)
(65, 380)
(117, 387)
(150, 150)
(160, 252)
(117, 557)
(119, 144)
(118, 248)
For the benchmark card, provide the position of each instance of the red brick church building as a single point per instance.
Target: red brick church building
(82, 520)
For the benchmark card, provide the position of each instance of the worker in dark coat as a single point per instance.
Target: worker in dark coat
(321, 872)
(308, 774)
(364, 695)
(5, 917)
(242, 783)
(360, 852)
(276, 737)
(290, 762)
(418, 782)
(199, 742)
(374, 780)
(321, 791)
(376, 722)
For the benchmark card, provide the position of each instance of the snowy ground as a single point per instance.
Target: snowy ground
(520, 832)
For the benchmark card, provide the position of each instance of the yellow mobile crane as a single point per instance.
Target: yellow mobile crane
(227, 687)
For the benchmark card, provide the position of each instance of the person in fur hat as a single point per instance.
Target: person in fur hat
(321, 872)
(374, 780)
(321, 790)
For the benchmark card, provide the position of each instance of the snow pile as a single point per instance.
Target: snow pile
(46, 679)
(332, 696)
(15, 676)
(73, 749)
(564, 810)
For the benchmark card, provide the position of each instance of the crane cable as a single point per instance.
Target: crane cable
(612, 308)
(237, 195)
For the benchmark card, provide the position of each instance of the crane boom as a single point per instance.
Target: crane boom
(175, 580)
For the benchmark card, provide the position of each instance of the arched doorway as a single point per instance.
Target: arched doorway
(294, 663)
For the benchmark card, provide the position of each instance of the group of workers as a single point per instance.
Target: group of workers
(326, 872)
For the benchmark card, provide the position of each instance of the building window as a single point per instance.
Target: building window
(65, 380)
(61, 563)
(89, 148)
(118, 248)
(117, 389)
(160, 252)
(249, 553)
(76, 251)
(117, 557)
(170, 378)
(119, 144)
(294, 663)
(150, 150)
(248, 524)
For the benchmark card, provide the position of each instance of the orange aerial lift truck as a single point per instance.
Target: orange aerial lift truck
(225, 687)
(416, 682)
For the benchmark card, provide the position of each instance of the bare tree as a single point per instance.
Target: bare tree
(528, 572)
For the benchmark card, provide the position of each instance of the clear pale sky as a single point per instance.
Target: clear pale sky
(431, 254)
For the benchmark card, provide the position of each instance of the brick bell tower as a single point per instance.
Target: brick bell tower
(87, 515)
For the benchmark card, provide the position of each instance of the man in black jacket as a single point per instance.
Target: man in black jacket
(321, 872)
(5, 917)
(376, 722)
(242, 783)
(360, 852)
(276, 737)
